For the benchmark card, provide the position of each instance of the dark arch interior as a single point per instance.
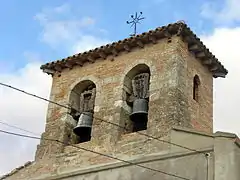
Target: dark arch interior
(140, 68)
(196, 83)
(138, 121)
(81, 133)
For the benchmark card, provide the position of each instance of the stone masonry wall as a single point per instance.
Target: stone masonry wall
(172, 70)
(201, 111)
(76, 164)
(118, 171)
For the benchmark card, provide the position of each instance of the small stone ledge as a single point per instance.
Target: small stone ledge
(214, 135)
(237, 142)
(228, 135)
(136, 160)
(192, 131)
(225, 134)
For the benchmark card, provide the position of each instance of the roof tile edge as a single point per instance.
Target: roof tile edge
(195, 45)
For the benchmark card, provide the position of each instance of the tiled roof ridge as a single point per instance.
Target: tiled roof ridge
(179, 28)
(14, 171)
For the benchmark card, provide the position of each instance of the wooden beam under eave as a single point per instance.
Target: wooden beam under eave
(207, 61)
(91, 59)
(79, 62)
(194, 48)
(167, 34)
(140, 44)
(159, 33)
(219, 74)
(213, 68)
(153, 39)
(114, 52)
(187, 39)
(69, 64)
(200, 55)
(127, 47)
(58, 67)
(102, 55)
(49, 71)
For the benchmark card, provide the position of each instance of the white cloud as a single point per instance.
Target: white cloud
(23, 111)
(28, 112)
(223, 43)
(87, 21)
(229, 14)
(88, 42)
(32, 57)
(62, 29)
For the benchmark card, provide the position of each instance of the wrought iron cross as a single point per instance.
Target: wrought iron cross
(135, 20)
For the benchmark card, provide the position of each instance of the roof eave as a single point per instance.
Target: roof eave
(180, 29)
(220, 74)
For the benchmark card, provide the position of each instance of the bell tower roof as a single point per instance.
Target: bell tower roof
(179, 28)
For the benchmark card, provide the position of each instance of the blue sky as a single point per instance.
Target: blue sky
(35, 32)
(22, 33)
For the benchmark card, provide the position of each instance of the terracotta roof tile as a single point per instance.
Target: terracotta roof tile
(178, 28)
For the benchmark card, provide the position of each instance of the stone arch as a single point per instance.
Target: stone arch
(91, 78)
(138, 62)
(82, 102)
(136, 92)
(77, 90)
(138, 69)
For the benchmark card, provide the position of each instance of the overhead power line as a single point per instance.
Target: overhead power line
(16, 127)
(206, 155)
(95, 152)
(67, 107)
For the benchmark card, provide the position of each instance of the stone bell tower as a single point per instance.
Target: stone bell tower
(148, 83)
(127, 105)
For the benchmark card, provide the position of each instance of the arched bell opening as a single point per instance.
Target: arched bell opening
(136, 92)
(196, 84)
(82, 100)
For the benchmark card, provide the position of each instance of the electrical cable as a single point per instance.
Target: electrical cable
(67, 107)
(16, 127)
(95, 152)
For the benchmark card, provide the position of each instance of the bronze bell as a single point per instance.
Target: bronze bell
(84, 123)
(140, 110)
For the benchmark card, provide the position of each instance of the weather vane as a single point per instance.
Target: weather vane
(135, 21)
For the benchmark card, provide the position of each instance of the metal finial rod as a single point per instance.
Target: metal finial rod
(135, 20)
